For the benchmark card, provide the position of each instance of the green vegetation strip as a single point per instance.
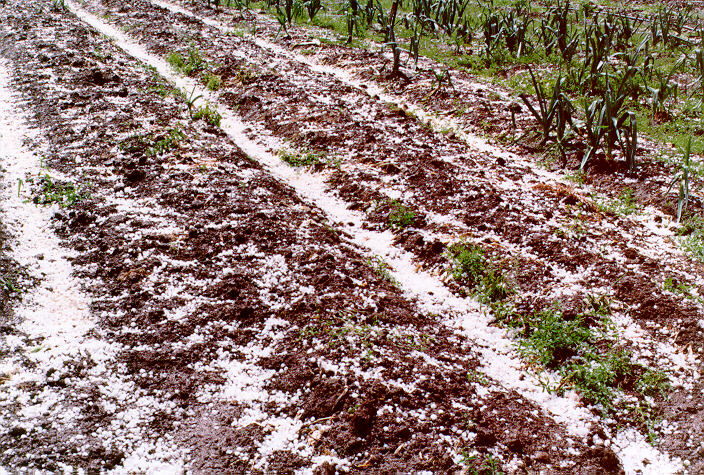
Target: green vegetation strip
(582, 349)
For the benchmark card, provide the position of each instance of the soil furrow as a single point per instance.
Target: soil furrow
(607, 257)
(234, 327)
(615, 265)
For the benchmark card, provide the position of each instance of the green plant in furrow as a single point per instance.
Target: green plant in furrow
(46, 191)
(207, 113)
(301, 159)
(9, 284)
(583, 349)
(345, 328)
(687, 170)
(474, 270)
(382, 269)
(623, 205)
(189, 65)
(692, 237)
(152, 144)
(211, 81)
(400, 216)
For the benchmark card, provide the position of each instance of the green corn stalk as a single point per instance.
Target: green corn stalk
(682, 176)
(594, 128)
(553, 112)
(628, 140)
(312, 7)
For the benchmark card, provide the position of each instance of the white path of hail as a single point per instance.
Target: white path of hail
(55, 315)
(499, 358)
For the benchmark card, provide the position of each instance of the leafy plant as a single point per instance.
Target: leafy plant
(211, 81)
(623, 205)
(382, 269)
(9, 284)
(682, 178)
(161, 146)
(471, 268)
(554, 112)
(47, 191)
(400, 216)
(207, 113)
(298, 159)
(190, 65)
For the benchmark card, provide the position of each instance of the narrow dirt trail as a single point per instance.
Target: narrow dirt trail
(232, 298)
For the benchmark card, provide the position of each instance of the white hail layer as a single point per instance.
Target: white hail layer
(500, 359)
(56, 315)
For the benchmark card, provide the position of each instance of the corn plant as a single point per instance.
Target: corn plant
(554, 111)
(682, 177)
(350, 10)
(628, 140)
(515, 30)
(191, 101)
(312, 8)
(697, 63)
(493, 31)
(285, 14)
(664, 90)
(594, 120)
(390, 34)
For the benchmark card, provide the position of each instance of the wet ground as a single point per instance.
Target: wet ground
(240, 314)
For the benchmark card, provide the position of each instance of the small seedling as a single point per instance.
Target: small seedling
(471, 268)
(208, 113)
(623, 205)
(8, 283)
(211, 81)
(300, 159)
(382, 269)
(50, 192)
(400, 216)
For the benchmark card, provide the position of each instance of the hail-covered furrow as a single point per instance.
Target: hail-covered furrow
(226, 323)
(307, 185)
(524, 214)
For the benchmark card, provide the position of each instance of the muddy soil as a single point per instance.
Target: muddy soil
(249, 330)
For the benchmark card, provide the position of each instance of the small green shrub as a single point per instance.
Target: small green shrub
(190, 65)
(208, 113)
(211, 81)
(623, 205)
(46, 191)
(653, 383)
(400, 216)
(471, 268)
(161, 146)
(692, 237)
(301, 159)
(382, 269)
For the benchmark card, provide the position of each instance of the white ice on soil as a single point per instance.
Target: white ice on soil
(500, 359)
(55, 317)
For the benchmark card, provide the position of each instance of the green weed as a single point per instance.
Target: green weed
(382, 269)
(189, 65)
(207, 113)
(211, 81)
(623, 205)
(47, 191)
(10, 285)
(471, 268)
(400, 216)
(301, 159)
